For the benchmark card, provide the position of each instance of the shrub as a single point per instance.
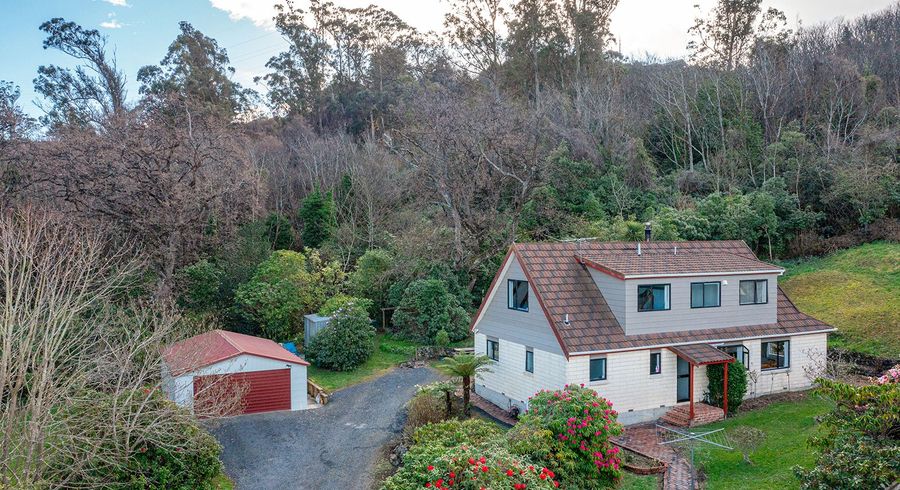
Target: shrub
(360, 306)
(747, 440)
(427, 307)
(581, 423)
(737, 385)
(372, 278)
(347, 341)
(442, 338)
(424, 408)
(199, 285)
(467, 455)
(284, 287)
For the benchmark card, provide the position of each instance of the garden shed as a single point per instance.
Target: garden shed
(227, 373)
(312, 325)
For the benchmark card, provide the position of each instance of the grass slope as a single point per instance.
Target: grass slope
(788, 426)
(856, 290)
(389, 352)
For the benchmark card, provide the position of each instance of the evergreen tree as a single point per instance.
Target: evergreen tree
(317, 215)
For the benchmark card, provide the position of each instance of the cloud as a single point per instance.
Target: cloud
(260, 12)
(111, 24)
(118, 3)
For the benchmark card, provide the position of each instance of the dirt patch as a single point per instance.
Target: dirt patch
(766, 400)
(640, 464)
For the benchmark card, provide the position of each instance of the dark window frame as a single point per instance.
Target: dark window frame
(492, 350)
(745, 353)
(786, 355)
(510, 294)
(755, 299)
(668, 288)
(658, 356)
(591, 377)
(703, 294)
(529, 350)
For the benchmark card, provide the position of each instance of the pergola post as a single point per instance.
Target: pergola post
(725, 389)
(691, 388)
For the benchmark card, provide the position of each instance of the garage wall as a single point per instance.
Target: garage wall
(181, 389)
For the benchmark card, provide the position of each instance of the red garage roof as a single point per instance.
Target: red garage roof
(218, 345)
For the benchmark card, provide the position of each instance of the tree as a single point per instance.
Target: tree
(279, 232)
(466, 367)
(15, 128)
(195, 69)
(317, 216)
(285, 287)
(473, 29)
(372, 277)
(725, 37)
(747, 439)
(426, 308)
(93, 92)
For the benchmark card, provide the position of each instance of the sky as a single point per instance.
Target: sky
(140, 30)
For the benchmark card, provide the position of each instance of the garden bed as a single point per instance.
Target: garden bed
(642, 465)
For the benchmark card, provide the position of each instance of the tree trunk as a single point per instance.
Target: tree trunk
(466, 388)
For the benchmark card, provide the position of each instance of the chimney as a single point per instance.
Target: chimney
(648, 231)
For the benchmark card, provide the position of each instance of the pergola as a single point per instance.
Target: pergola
(703, 355)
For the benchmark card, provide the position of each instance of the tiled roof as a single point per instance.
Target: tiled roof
(661, 263)
(564, 286)
(700, 354)
(218, 345)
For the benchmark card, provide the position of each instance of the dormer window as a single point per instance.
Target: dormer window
(518, 295)
(653, 297)
(705, 294)
(754, 292)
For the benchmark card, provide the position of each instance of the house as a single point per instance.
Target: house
(638, 322)
(227, 373)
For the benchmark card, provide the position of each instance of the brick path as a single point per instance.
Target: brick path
(642, 439)
(491, 409)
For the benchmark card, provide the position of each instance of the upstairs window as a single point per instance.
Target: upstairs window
(775, 355)
(493, 349)
(653, 297)
(598, 369)
(529, 360)
(518, 295)
(705, 294)
(754, 292)
(655, 363)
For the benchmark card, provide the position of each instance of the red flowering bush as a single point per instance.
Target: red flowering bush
(469, 455)
(568, 431)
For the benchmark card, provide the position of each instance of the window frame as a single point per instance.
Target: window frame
(755, 290)
(668, 289)
(529, 352)
(658, 356)
(492, 349)
(744, 353)
(703, 294)
(590, 374)
(786, 354)
(510, 295)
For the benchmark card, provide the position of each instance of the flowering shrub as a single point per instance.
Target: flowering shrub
(577, 447)
(891, 376)
(466, 455)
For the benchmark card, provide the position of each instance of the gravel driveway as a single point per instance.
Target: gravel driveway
(324, 448)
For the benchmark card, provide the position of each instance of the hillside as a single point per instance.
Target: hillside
(858, 291)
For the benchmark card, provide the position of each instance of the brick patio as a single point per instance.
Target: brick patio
(642, 440)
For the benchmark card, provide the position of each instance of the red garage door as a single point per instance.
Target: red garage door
(236, 393)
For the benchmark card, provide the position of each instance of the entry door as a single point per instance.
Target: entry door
(684, 380)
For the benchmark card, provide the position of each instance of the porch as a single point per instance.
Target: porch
(691, 412)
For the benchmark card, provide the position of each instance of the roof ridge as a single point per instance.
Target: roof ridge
(223, 334)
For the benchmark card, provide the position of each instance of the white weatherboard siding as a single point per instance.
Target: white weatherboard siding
(639, 396)
(522, 327)
(509, 383)
(681, 317)
(181, 388)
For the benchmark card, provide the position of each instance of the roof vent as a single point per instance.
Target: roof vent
(675, 250)
(566, 321)
(648, 231)
(639, 248)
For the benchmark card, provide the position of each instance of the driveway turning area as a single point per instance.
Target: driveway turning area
(328, 447)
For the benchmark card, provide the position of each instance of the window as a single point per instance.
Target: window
(529, 359)
(518, 295)
(598, 369)
(654, 297)
(754, 292)
(739, 352)
(655, 363)
(493, 349)
(705, 294)
(775, 355)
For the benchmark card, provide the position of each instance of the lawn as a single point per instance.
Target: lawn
(222, 482)
(856, 290)
(389, 352)
(788, 426)
(630, 481)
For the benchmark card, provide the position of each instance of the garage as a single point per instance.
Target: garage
(221, 373)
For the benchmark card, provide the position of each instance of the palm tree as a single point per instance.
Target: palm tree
(465, 367)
